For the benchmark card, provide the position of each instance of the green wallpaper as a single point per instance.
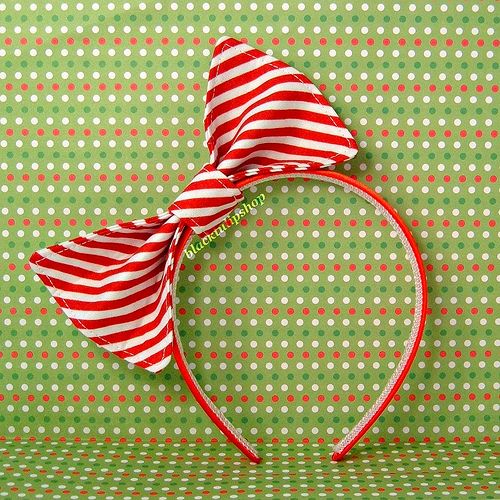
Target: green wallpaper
(294, 320)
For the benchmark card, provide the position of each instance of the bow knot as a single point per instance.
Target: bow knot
(206, 200)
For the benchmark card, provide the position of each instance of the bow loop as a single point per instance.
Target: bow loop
(263, 115)
(112, 285)
(206, 201)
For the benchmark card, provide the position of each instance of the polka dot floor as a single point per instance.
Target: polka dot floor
(294, 320)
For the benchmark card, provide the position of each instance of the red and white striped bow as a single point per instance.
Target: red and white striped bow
(261, 115)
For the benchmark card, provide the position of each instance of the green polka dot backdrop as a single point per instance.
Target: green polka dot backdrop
(294, 320)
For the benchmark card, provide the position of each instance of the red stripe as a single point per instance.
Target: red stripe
(78, 272)
(92, 324)
(104, 260)
(234, 62)
(117, 285)
(205, 203)
(156, 358)
(270, 116)
(103, 305)
(279, 96)
(130, 335)
(329, 140)
(243, 79)
(305, 153)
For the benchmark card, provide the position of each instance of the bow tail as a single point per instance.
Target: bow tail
(113, 286)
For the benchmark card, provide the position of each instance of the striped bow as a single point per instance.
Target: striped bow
(261, 115)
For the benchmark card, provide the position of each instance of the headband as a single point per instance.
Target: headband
(263, 120)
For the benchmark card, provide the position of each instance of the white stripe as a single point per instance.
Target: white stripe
(221, 192)
(258, 168)
(211, 174)
(250, 85)
(147, 353)
(186, 213)
(135, 341)
(234, 52)
(163, 216)
(109, 295)
(130, 326)
(84, 314)
(305, 125)
(112, 254)
(300, 142)
(98, 238)
(160, 365)
(155, 237)
(106, 238)
(279, 106)
(139, 256)
(97, 283)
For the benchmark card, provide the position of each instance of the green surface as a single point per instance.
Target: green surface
(99, 469)
(101, 120)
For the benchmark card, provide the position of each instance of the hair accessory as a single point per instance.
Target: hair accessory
(263, 120)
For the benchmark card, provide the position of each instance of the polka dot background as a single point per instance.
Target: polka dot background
(292, 321)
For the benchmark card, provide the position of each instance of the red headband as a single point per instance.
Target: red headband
(263, 120)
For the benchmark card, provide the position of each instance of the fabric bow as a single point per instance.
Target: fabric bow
(261, 115)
